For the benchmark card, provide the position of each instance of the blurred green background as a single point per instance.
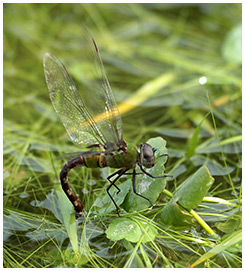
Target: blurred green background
(167, 57)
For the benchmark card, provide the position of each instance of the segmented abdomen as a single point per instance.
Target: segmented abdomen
(88, 160)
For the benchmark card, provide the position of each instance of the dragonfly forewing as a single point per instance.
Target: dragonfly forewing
(90, 116)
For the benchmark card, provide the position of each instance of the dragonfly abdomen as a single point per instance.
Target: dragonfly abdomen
(94, 160)
(90, 160)
(65, 184)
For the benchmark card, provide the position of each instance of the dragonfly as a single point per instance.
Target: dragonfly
(92, 120)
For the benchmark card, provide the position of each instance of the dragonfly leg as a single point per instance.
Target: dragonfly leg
(66, 187)
(154, 177)
(118, 189)
(166, 154)
(120, 172)
(134, 188)
(109, 177)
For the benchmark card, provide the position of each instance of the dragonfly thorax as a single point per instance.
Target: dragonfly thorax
(147, 155)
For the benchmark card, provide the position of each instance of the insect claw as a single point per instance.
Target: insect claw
(171, 176)
(151, 204)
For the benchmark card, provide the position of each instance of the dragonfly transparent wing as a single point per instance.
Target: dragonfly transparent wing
(90, 116)
(97, 95)
(69, 105)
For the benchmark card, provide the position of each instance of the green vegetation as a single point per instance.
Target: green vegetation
(175, 70)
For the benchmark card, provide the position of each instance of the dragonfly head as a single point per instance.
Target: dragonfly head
(148, 155)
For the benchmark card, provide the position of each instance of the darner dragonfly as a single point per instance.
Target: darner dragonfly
(92, 119)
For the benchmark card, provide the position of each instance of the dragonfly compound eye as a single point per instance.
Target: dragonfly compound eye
(147, 156)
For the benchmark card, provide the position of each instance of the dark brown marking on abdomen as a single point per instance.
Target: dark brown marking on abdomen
(65, 185)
